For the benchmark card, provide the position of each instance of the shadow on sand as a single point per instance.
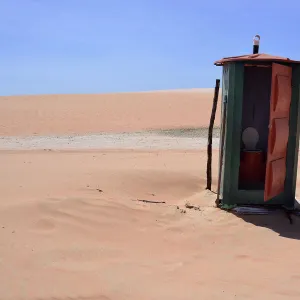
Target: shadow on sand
(287, 226)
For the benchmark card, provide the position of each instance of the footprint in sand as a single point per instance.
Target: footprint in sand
(242, 256)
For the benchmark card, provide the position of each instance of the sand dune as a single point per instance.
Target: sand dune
(62, 238)
(71, 225)
(81, 114)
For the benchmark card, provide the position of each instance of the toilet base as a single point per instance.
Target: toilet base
(252, 169)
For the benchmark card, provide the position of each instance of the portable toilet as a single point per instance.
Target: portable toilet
(260, 113)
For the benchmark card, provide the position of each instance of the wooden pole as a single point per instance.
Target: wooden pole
(210, 135)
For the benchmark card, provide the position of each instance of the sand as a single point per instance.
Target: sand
(81, 114)
(72, 227)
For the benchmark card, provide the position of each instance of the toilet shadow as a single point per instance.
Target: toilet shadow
(285, 225)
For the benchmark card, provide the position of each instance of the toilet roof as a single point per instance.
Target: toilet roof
(259, 57)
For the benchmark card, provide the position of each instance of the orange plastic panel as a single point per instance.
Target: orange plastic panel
(276, 172)
(279, 135)
(282, 97)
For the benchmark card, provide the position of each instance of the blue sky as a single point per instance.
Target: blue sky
(102, 46)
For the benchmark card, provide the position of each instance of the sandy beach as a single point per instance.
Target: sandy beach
(73, 171)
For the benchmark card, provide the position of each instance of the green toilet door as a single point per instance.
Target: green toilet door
(281, 93)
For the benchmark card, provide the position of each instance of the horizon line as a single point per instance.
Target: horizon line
(114, 93)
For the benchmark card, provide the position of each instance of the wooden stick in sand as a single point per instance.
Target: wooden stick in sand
(210, 135)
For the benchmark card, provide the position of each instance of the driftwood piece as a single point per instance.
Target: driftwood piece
(150, 201)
